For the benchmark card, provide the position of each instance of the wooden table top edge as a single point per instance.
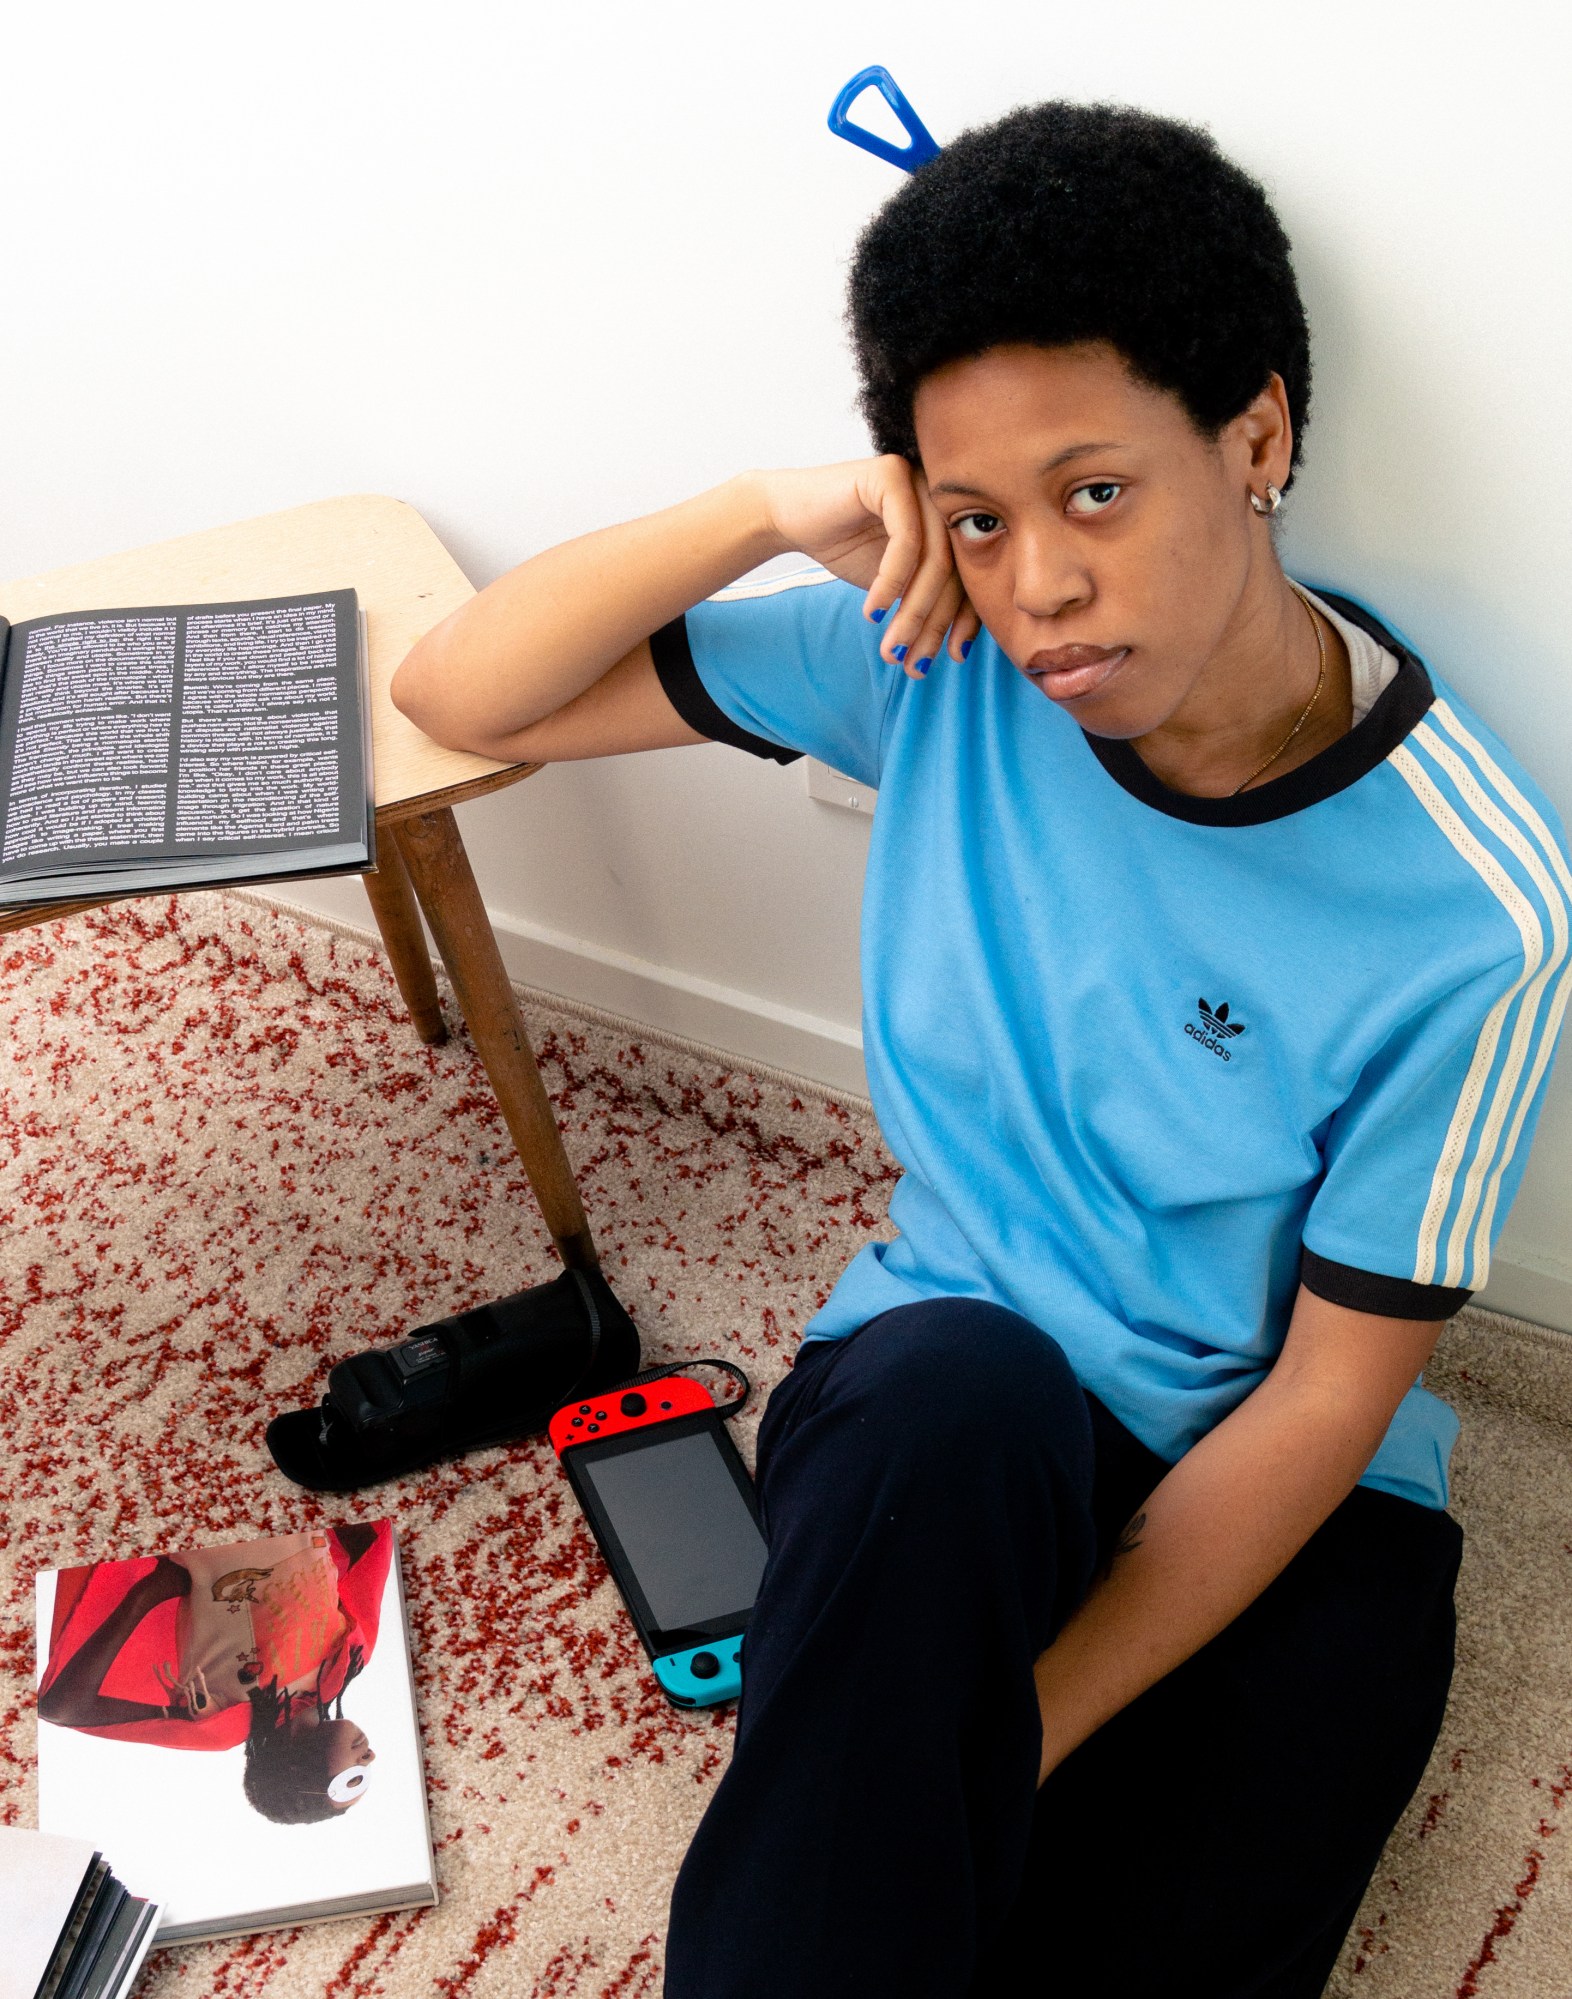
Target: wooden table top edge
(455, 794)
(212, 533)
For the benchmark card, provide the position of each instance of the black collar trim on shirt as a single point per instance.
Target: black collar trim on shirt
(1398, 707)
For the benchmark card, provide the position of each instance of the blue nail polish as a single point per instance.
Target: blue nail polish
(966, 648)
(878, 616)
(899, 652)
(923, 665)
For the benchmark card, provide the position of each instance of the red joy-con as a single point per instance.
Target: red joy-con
(621, 1409)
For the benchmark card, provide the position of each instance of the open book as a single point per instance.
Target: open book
(236, 1726)
(183, 746)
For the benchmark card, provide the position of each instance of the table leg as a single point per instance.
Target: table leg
(393, 905)
(440, 871)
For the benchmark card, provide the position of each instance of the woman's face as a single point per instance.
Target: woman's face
(1086, 511)
(346, 1752)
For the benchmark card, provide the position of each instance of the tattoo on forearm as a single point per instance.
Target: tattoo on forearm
(1129, 1538)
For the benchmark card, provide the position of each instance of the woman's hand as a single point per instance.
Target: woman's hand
(188, 1699)
(871, 522)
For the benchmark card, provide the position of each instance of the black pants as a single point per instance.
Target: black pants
(937, 1491)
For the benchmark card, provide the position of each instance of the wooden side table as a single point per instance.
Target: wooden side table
(406, 581)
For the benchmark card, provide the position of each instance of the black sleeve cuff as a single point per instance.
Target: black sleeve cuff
(685, 691)
(1369, 1291)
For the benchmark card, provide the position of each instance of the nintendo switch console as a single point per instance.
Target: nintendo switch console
(672, 1509)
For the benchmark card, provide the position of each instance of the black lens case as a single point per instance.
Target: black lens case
(480, 1377)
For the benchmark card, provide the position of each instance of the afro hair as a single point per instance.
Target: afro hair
(1069, 222)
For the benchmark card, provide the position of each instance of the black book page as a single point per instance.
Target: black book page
(138, 736)
(78, 1979)
(99, 1885)
(86, 1901)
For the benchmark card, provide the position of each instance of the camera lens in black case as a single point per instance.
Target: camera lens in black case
(481, 1377)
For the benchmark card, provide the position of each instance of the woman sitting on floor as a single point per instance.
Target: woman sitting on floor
(1214, 953)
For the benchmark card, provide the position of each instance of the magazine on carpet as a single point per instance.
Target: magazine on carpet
(236, 1726)
(183, 747)
(71, 1930)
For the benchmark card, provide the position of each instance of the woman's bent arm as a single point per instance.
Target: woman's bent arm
(74, 1698)
(552, 660)
(533, 641)
(1231, 1514)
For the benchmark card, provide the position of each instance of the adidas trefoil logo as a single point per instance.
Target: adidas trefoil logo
(1217, 1019)
(1214, 1030)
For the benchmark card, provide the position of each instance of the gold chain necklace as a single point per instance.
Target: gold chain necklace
(1304, 713)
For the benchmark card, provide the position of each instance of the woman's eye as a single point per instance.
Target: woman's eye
(1101, 492)
(976, 527)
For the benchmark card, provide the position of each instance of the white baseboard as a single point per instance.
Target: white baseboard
(757, 1030)
(1523, 1290)
(721, 1017)
(724, 1018)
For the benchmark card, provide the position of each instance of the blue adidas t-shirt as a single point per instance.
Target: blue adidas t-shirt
(1146, 1060)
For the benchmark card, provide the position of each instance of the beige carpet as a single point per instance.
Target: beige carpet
(224, 1159)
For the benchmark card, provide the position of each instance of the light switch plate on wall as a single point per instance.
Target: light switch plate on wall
(833, 787)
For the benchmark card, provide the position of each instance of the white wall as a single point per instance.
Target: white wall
(534, 268)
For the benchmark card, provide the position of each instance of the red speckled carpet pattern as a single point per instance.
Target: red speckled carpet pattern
(225, 1160)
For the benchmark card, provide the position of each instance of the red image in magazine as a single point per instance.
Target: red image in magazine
(249, 1646)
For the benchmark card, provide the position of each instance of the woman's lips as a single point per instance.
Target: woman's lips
(1068, 672)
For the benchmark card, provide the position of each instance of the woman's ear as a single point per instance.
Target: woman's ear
(1263, 436)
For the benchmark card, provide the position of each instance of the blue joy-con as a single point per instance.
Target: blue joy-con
(705, 1676)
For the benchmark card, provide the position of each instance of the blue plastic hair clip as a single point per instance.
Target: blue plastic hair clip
(923, 145)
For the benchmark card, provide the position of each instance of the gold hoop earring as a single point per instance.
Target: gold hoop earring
(1274, 500)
